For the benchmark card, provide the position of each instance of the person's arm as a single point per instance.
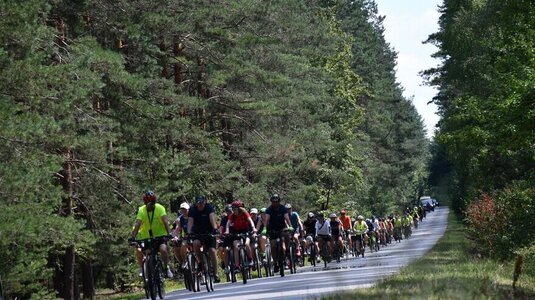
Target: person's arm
(165, 221)
(301, 227)
(267, 220)
(227, 228)
(136, 229)
(211, 216)
(288, 222)
(251, 224)
(190, 224)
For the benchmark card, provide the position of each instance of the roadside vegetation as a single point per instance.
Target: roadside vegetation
(451, 270)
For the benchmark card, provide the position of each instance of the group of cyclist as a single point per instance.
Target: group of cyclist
(197, 224)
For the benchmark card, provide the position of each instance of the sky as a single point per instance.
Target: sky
(407, 24)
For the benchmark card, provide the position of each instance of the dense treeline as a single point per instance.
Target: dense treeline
(486, 139)
(232, 99)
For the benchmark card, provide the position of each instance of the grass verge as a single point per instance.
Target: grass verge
(450, 271)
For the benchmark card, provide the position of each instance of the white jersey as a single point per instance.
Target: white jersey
(323, 229)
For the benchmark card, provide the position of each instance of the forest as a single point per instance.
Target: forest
(484, 150)
(101, 100)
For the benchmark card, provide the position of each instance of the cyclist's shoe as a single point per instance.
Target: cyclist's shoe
(184, 265)
(169, 274)
(227, 270)
(217, 279)
(251, 263)
(140, 272)
(237, 269)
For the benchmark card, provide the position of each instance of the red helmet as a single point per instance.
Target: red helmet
(149, 196)
(237, 204)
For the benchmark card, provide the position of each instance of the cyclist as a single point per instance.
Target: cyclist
(361, 228)
(201, 221)
(323, 233)
(346, 222)
(398, 224)
(277, 220)
(180, 227)
(152, 222)
(262, 239)
(297, 225)
(240, 222)
(310, 231)
(225, 242)
(336, 232)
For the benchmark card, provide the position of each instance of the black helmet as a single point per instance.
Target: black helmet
(275, 198)
(200, 198)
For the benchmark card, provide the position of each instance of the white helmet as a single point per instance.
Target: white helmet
(184, 205)
(310, 239)
(254, 211)
(333, 215)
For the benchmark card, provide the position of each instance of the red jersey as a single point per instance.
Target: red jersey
(239, 222)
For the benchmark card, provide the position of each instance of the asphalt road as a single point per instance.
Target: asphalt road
(314, 282)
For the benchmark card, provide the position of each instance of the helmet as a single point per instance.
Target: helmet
(254, 211)
(309, 239)
(228, 208)
(199, 199)
(333, 215)
(184, 205)
(342, 212)
(263, 210)
(311, 215)
(360, 217)
(237, 204)
(275, 198)
(149, 196)
(288, 205)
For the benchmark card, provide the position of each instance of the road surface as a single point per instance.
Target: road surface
(353, 273)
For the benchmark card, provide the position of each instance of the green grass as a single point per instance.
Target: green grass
(449, 271)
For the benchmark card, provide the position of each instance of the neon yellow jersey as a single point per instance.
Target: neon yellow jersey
(360, 227)
(151, 220)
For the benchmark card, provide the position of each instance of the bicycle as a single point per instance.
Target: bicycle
(325, 253)
(291, 254)
(242, 256)
(279, 249)
(189, 280)
(374, 245)
(268, 263)
(256, 256)
(358, 243)
(152, 271)
(202, 273)
(311, 249)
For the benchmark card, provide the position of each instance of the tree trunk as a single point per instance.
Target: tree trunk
(68, 268)
(87, 280)
(69, 261)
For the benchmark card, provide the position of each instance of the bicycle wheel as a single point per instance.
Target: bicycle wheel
(243, 264)
(161, 280)
(151, 277)
(188, 280)
(257, 263)
(291, 260)
(324, 252)
(268, 266)
(206, 272)
(194, 275)
(280, 258)
(144, 278)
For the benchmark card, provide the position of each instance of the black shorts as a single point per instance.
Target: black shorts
(207, 241)
(225, 242)
(273, 235)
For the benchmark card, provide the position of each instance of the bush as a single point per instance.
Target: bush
(502, 222)
(528, 254)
